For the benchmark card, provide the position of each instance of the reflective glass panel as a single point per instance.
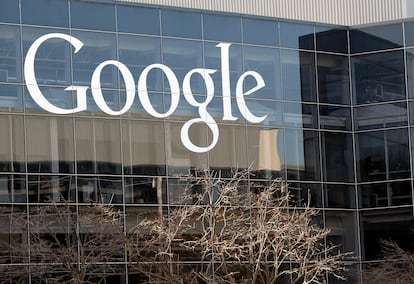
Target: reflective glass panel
(385, 194)
(306, 193)
(94, 16)
(297, 35)
(49, 144)
(138, 20)
(55, 95)
(409, 33)
(300, 115)
(11, 98)
(143, 147)
(12, 189)
(9, 11)
(331, 39)
(268, 35)
(264, 61)
(222, 28)
(99, 189)
(376, 37)
(378, 77)
(10, 57)
(298, 66)
(339, 196)
(51, 188)
(12, 154)
(410, 72)
(333, 79)
(35, 12)
(271, 110)
(337, 157)
(380, 116)
(335, 117)
(344, 231)
(145, 190)
(181, 24)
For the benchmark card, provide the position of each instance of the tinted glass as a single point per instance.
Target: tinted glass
(385, 194)
(268, 35)
(271, 109)
(47, 188)
(339, 196)
(298, 66)
(410, 72)
(378, 77)
(380, 116)
(333, 79)
(9, 11)
(100, 189)
(10, 60)
(300, 115)
(11, 98)
(222, 28)
(297, 35)
(56, 14)
(56, 95)
(145, 190)
(95, 16)
(181, 24)
(12, 189)
(12, 151)
(138, 20)
(376, 38)
(335, 117)
(333, 40)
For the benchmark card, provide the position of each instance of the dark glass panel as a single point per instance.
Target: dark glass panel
(335, 117)
(343, 232)
(12, 189)
(380, 116)
(268, 35)
(145, 190)
(300, 115)
(222, 28)
(100, 189)
(331, 39)
(386, 224)
(266, 150)
(339, 196)
(302, 155)
(179, 158)
(10, 55)
(306, 193)
(9, 11)
(137, 52)
(376, 37)
(297, 35)
(45, 12)
(298, 75)
(409, 32)
(98, 147)
(11, 98)
(181, 24)
(98, 47)
(49, 144)
(378, 77)
(333, 79)
(383, 155)
(52, 63)
(12, 154)
(385, 194)
(182, 56)
(138, 20)
(410, 72)
(337, 157)
(213, 59)
(264, 61)
(51, 188)
(94, 16)
(143, 147)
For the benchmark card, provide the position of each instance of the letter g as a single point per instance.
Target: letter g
(30, 77)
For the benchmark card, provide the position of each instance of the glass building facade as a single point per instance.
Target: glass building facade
(335, 115)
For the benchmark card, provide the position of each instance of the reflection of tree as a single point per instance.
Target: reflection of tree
(64, 246)
(396, 266)
(234, 235)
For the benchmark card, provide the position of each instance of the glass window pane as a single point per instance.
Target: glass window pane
(55, 95)
(339, 196)
(100, 189)
(271, 109)
(268, 35)
(335, 117)
(337, 157)
(302, 155)
(12, 154)
(11, 98)
(306, 193)
(300, 115)
(146, 190)
(138, 20)
(9, 11)
(12, 189)
(298, 66)
(47, 188)
(181, 24)
(264, 61)
(331, 39)
(297, 35)
(222, 28)
(378, 77)
(410, 72)
(45, 12)
(50, 144)
(344, 232)
(143, 147)
(376, 37)
(10, 56)
(52, 62)
(94, 16)
(333, 79)
(385, 194)
(380, 116)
